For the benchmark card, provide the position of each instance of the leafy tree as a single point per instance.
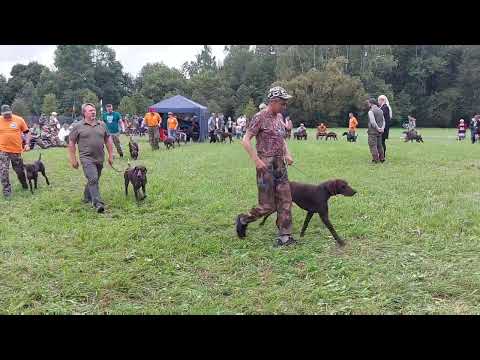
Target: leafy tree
(20, 107)
(205, 61)
(3, 89)
(325, 95)
(249, 109)
(88, 96)
(157, 80)
(49, 104)
(127, 105)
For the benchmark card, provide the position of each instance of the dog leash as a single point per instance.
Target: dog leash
(296, 168)
(118, 171)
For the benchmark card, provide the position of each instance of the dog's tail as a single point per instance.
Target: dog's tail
(40, 157)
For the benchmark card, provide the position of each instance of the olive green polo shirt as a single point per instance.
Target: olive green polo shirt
(91, 140)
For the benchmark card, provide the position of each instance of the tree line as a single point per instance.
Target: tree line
(436, 84)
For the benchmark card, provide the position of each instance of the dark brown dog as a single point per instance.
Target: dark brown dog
(181, 136)
(32, 171)
(138, 177)
(169, 142)
(224, 135)
(133, 147)
(314, 199)
(332, 135)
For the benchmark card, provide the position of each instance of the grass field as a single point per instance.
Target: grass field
(412, 232)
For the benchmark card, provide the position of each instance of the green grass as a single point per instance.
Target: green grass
(412, 233)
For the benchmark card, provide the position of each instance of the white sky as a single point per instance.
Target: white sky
(132, 57)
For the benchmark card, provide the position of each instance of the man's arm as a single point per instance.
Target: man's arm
(288, 156)
(371, 119)
(247, 145)
(72, 153)
(109, 145)
(28, 137)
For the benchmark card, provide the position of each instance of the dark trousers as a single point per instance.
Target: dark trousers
(213, 136)
(92, 171)
(273, 195)
(154, 137)
(376, 147)
(118, 145)
(472, 134)
(17, 165)
(385, 137)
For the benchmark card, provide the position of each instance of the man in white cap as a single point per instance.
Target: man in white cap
(11, 129)
(271, 159)
(54, 120)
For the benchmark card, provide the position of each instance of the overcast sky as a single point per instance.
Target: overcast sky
(132, 57)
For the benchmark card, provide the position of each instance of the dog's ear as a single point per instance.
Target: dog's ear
(335, 186)
(331, 187)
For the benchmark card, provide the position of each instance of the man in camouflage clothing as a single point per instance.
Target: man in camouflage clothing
(11, 129)
(271, 159)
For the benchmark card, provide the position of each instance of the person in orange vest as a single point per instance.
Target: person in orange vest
(172, 125)
(322, 129)
(352, 124)
(153, 121)
(11, 148)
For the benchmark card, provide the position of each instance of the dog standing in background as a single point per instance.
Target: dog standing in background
(134, 149)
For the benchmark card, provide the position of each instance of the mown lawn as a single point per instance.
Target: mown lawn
(412, 232)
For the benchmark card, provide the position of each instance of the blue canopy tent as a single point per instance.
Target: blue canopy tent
(181, 105)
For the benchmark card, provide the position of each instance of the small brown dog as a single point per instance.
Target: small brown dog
(314, 199)
(133, 147)
(138, 177)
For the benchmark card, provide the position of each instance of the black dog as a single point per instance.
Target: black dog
(314, 199)
(331, 135)
(350, 137)
(32, 171)
(138, 177)
(169, 142)
(133, 147)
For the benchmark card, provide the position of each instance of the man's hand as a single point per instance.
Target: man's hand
(289, 159)
(27, 148)
(260, 165)
(110, 160)
(74, 163)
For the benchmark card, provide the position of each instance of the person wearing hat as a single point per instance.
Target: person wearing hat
(271, 159)
(54, 120)
(113, 122)
(153, 121)
(172, 125)
(11, 147)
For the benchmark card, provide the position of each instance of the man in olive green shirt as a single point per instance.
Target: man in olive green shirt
(91, 135)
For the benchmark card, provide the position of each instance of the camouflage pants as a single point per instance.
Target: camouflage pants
(116, 142)
(273, 195)
(376, 146)
(17, 164)
(153, 137)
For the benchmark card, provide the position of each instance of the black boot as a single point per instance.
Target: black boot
(240, 227)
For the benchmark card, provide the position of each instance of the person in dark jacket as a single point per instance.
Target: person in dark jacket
(387, 116)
